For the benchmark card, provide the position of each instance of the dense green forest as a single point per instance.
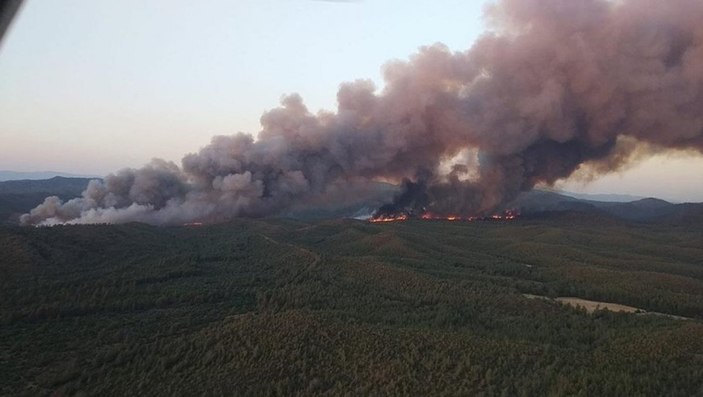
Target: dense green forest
(282, 307)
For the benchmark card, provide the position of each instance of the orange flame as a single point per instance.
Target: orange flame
(387, 219)
(508, 215)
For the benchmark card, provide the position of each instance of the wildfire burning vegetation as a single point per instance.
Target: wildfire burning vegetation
(507, 215)
(389, 218)
(553, 87)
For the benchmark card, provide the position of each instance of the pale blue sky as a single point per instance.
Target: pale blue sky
(91, 86)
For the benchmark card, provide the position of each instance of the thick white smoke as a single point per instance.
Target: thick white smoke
(554, 85)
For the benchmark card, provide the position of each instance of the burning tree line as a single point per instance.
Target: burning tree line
(414, 202)
(507, 215)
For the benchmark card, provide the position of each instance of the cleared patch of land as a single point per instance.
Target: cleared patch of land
(592, 306)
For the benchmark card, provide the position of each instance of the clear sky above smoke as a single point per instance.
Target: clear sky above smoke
(94, 86)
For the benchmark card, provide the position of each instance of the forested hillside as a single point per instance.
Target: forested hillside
(20, 196)
(280, 307)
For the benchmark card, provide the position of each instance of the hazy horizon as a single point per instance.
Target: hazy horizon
(93, 87)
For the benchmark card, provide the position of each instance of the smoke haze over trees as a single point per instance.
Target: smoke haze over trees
(552, 87)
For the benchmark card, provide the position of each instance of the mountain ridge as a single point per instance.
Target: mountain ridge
(10, 175)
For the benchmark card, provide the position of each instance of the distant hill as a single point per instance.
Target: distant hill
(617, 198)
(537, 201)
(643, 210)
(651, 209)
(20, 196)
(57, 185)
(6, 175)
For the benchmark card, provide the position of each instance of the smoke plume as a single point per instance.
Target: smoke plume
(553, 86)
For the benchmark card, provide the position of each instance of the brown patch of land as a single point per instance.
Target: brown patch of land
(592, 306)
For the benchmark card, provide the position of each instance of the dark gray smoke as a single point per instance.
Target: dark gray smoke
(554, 86)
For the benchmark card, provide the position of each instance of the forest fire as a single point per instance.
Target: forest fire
(389, 218)
(507, 215)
